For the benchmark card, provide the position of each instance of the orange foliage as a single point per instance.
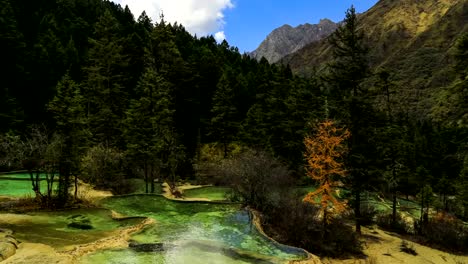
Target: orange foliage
(323, 154)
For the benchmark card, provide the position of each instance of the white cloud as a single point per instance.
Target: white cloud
(201, 17)
(219, 36)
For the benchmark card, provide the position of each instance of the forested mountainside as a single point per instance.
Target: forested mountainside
(99, 51)
(286, 39)
(414, 42)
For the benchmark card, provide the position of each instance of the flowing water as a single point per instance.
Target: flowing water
(193, 233)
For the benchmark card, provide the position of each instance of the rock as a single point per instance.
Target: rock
(35, 253)
(146, 247)
(8, 244)
(80, 222)
(5, 232)
(7, 250)
(286, 39)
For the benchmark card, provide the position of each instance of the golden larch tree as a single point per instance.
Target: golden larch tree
(324, 152)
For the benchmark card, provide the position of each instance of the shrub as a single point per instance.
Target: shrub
(210, 160)
(447, 232)
(407, 248)
(385, 221)
(257, 178)
(368, 214)
(102, 166)
(296, 223)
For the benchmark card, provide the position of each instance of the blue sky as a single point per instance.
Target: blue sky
(243, 23)
(250, 21)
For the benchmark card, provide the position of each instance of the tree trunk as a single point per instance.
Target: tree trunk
(422, 213)
(146, 176)
(152, 179)
(324, 224)
(50, 187)
(357, 210)
(394, 207)
(76, 187)
(225, 149)
(38, 181)
(31, 175)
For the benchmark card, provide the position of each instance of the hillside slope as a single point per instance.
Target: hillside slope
(411, 39)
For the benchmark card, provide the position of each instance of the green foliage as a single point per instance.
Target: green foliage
(68, 109)
(347, 71)
(462, 187)
(12, 48)
(107, 99)
(461, 57)
(102, 166)
(225, 114)
(349, 66)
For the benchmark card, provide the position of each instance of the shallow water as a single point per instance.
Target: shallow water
(51, 228)
(213, 193)
(19, 184)
(193, 233)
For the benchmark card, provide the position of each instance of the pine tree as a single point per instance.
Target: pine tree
(104, 89)
(68, 109)
(12, 52)
(151, 137)
(347, 71)
(462, 186)
(460, 87)
(148, 119)
(224, 113)
(349, 66)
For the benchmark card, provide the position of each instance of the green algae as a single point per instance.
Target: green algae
(19, 188)
(213, 193)
(21, 176)
(194, 233)
(51, 228)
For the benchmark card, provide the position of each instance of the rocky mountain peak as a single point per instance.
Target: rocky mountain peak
(287, 39)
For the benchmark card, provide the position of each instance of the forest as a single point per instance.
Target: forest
(90, 93)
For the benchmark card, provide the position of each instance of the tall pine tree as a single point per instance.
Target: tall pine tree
(107, 100)
(346, 73)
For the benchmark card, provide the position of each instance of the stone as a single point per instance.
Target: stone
(8, 245)
(79, 222)
(146, 247)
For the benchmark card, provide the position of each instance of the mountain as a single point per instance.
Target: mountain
(286, 39)
(411, 39)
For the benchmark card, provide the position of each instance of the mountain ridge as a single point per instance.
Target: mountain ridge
(288, 39)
